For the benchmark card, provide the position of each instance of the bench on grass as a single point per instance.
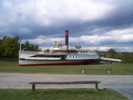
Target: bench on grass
(65, 83)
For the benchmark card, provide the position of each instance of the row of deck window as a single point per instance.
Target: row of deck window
(81, 56)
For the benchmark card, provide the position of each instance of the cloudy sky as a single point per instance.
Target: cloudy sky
(99, 24)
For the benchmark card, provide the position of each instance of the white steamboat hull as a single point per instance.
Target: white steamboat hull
(63, 62)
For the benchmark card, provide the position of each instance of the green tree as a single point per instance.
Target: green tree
(0, 47)
(29, 46)
(111, 53)
(126, 57)
(10, 47)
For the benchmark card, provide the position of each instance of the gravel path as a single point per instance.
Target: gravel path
(121, 83)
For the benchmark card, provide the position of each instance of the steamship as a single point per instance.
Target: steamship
(67, 56)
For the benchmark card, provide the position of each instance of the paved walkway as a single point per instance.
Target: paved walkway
(121, 83)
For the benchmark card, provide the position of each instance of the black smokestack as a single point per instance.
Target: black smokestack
(67, 39)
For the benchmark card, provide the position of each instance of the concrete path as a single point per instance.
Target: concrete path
(121, 83)
(126, 92)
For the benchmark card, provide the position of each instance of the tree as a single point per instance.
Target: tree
(9, 47)
(111, 53)
(29, 46)
(0, 47)
(126, 57)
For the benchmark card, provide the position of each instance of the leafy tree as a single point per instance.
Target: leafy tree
(29, 46)
(111, 53)
(0, 47)
(126, 57)
(9, 46)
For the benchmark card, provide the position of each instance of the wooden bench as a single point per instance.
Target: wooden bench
(65, 83)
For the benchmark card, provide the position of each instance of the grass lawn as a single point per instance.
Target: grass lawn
(65, 94)
(121, 69)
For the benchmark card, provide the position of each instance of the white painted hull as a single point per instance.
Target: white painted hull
(72, 58)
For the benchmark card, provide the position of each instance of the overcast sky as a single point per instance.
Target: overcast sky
(92, 23)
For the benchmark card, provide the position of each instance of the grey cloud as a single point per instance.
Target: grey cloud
(16, 22)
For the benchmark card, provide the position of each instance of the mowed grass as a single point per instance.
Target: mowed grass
(99, 69)
(65, 94)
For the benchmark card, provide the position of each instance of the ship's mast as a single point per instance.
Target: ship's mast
(20, 48)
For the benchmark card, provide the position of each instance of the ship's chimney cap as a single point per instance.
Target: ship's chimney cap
(66, 30)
